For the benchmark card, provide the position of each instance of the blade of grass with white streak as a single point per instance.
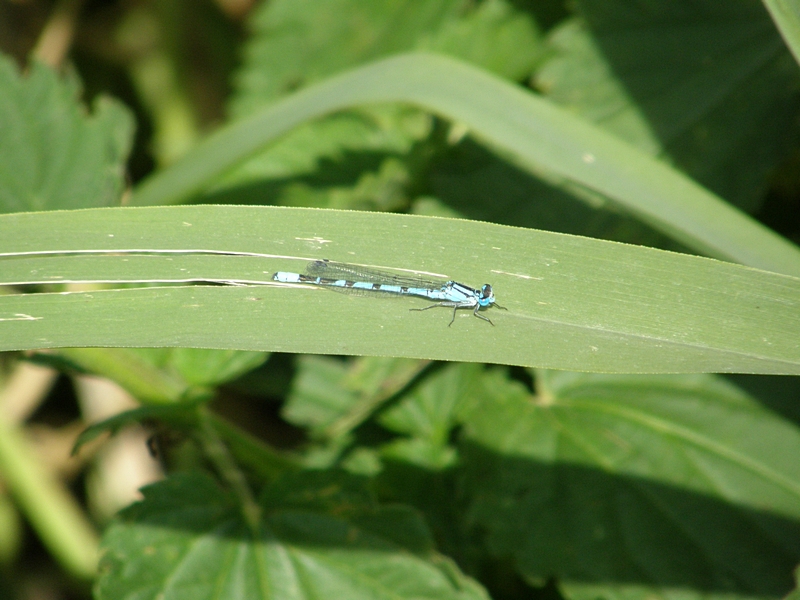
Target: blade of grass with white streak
(573, 303)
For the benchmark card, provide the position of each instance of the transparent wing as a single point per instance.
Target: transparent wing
(336, 270)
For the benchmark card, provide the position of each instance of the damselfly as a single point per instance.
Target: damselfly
(356, 279)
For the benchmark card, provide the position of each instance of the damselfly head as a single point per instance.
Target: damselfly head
(486, 296)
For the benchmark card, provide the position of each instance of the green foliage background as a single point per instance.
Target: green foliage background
(319, 445)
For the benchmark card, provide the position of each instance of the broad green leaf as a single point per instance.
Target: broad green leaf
(573, 303)
(214, 367)
(361, 158)
(297, 43)
(707, 85)
(174, 414)
(332, 398)
(632, 486)
(495, 35)
(186, 539)
(351, 160)
(164, 375)
(329, 400)
(427, 415)
(294, 43)
(328, 163)
(318, 396)
(134, 369)
(430, 408)
(54, 154)
(533, 132)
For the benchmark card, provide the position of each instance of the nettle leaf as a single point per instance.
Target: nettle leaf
(331, 397)
(296, 42)
(350, 160)
(176, 415)
(319, 537)
(709, 84)
(199, 366)
(318, 396)
(428, 413)
(55, 155)
(360, 159)
(495, 36)
(630, 486)
(165, 375)
(432, 407)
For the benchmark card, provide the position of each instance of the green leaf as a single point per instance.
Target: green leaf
(187, 540)
(573, 303)
(134, 369)
(633, 485)
(54, 154)
(318, 396)
(795, 593)
(351, 160)
(361, 158)
(428, 413)
(707, 85)
(477, 184)
(164, 375)
(787, 18)
(332, 398)
(214, 367)
(430, 409)
(174, 414)
(495, 36)
(295, 43)
(533, 132)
